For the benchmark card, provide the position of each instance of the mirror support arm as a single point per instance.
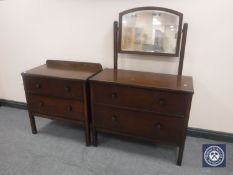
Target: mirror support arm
(115, 36)
(182, 50)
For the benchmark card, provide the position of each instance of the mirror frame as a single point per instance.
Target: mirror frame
(180, 15)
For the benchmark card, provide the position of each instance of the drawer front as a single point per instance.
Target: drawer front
(138, 98)
(54, 87)
(142, 124)
(70, 109)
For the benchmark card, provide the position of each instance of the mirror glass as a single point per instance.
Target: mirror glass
(150, 31)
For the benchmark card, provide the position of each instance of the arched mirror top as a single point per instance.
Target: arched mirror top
(150, 31)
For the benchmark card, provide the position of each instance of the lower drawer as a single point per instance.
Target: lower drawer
(141, 124)
(70, 109)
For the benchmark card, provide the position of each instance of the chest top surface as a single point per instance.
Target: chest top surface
(65, 69)
(146, 80)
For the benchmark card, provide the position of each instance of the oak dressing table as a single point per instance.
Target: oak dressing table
(144, 105)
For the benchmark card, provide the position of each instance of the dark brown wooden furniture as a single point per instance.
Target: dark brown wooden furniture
(59, 90)
(143, 105)
(149, 106)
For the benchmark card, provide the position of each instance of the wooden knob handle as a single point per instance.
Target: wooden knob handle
(114, 95)
(162, 102)
(158, 126)
(67, 89)
(38, 85)
(114, 118)
(69, 108)
(41, 104)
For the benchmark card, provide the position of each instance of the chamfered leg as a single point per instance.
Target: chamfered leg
(180, 154)
(95, 136)
(33, 123)
(87, 134)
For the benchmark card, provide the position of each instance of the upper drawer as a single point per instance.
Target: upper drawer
(143, 99)
(54, 87)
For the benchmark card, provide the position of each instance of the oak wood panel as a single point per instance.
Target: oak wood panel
(139, 123)
(71, 109)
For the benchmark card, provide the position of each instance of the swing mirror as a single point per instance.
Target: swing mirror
(150, 30)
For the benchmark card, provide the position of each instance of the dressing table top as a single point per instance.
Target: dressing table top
(146, 80)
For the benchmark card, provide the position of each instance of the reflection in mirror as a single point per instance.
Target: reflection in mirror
(150, 31)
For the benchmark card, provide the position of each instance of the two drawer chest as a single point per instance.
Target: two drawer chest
(143, 105)
(59, 90)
